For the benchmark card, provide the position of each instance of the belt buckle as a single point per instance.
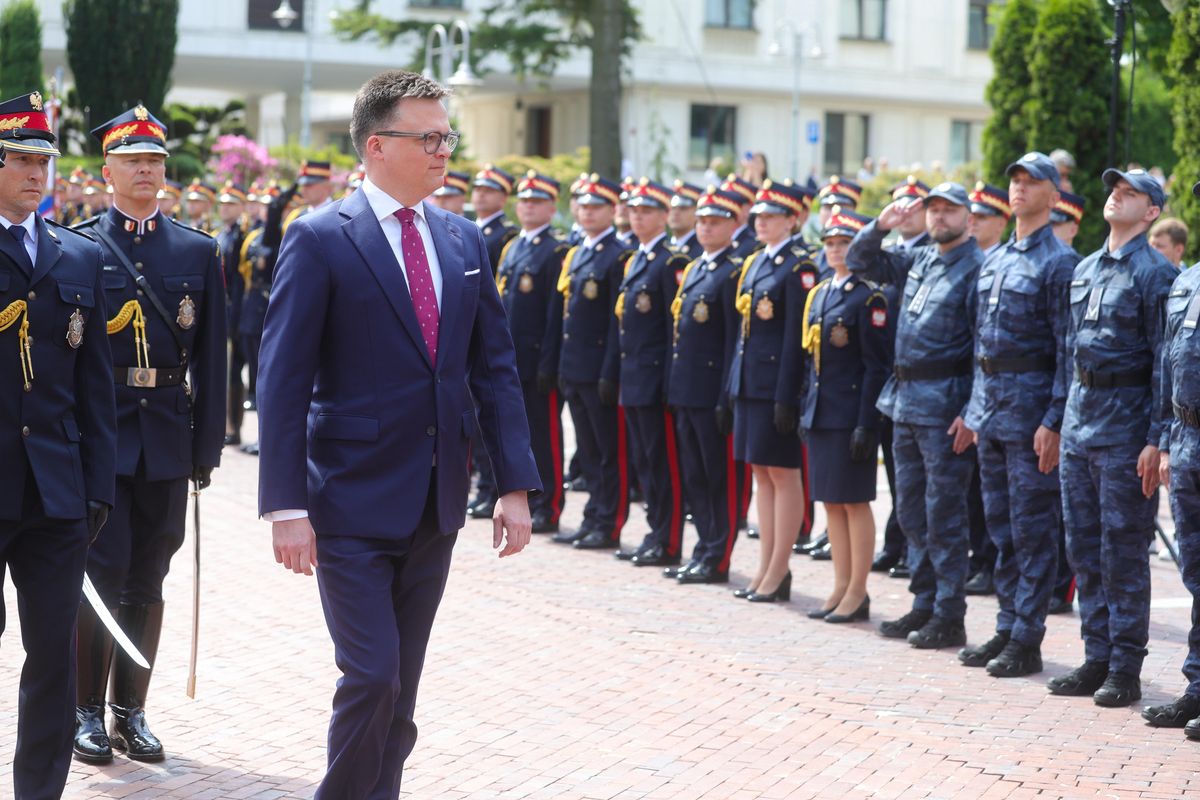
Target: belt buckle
(143, 377)
(985, 362)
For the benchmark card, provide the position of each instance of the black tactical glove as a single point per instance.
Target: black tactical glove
(608, 392)
(724, 420)
(97, 515)
(785, 419)
(545, 383)
(862, 445)
(202, 476)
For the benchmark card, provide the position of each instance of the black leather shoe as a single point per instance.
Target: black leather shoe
(1084, 680)
(626, 555)
(655, 557)
(482, 508)
(813, 544)
(782, 593)
(233, 439)
(543, 524)
(1176, 714)
(250, 449)
(743, 593)
(819, 613)
(250, 404)
(1120, 689)
(860, 614)
(1016, 661)
(579, 484)
(884, 561)
(1192, 730)
(704, 573)
(901, 628)
(675, 572)
(569, 537)
(1059, 605)
(131, 735)
(751, 533)
(981, 654)
(901, 570)
(981, 583)
(822, 553)
(596, 540)
(92, 745)
(938, 633)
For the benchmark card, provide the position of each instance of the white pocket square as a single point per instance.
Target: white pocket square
(472, 272)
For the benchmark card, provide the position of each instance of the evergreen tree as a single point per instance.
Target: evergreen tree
(1184, 64)
(1069, 95)
(1005, 135)
(20, 49)
(121, 53)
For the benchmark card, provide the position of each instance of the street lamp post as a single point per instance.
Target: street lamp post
(285, 15)
(440, 44)
(776, 48)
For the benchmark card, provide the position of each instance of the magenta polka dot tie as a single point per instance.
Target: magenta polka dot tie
(420, 280)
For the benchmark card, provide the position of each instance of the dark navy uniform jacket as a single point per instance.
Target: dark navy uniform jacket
(183, 268)
(645, 324)
(497, 232)
(1180, 371)
(854, 358)
(935, 323)
(1118, 310)
(688, 246)
(768, 360)
(230, 240)
(744, 242)
(589, 282)
(1022, 312)
(61, 431)
(528, 281)
(706, 332)
(258, 294)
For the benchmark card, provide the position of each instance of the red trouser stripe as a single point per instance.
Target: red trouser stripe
(675, 535)
(622, 477)
(556, 456)
(807, 524)
(731, 501)
(1070, 598)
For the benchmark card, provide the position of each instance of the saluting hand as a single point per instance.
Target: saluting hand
(896, 213)
(512, 516)
(295, 545)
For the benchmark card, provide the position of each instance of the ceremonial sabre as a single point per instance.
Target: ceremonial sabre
(191, 680)
(106, 617)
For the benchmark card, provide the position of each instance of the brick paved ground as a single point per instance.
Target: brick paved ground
(561, 674)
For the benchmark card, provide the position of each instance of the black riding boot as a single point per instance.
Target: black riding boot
(94, 649)
(127, 701)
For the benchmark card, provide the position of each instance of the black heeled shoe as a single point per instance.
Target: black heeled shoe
(743, 592)
(860, 614)
(819, 613)
(782, 593)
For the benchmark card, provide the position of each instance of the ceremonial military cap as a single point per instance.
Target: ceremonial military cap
(535, 186)
(626, 184)
(24, 126)
(1068, 208)
(949, 191)
(269, 193)
(685, 194)
(594, 191)
(735, 184)
(492, 177)
(197, 190)
(910, 187)
(93, 186)
(356, 179)
(1140, 180)
(135, 131)
(60, 184)
(577, 184)
(840, 192)
(781, 198)
(454, 183)
(988, 199)
(719, 203)
(231, 193)
(313, 172)
(1038, 165)
(648, 193)
(78, 176)
(844, 222)
(170, 188)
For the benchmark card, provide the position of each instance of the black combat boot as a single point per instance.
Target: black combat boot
(131, 682)
(94, 657)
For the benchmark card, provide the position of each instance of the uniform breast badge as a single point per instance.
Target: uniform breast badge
(839, 335)
(700, 311)
(642, 303)
(187, 313)
(525, 284)
(75, 330)
(591, 289)
(764, 309)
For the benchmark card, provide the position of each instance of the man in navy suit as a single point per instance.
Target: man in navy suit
(384, 324)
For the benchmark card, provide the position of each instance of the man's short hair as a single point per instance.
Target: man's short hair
(1174, 229)
(375, 103)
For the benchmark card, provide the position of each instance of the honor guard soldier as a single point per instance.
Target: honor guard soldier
(706, 323)
(489, 193)
(744, 242)
(575, 234)
(199, 199)
(163, 286)
(168, 198)
(838, 193)
(75, 210)
(990, 214)
(926, 397)
(589, 367)
(528, 285)
(60, 197)
(452, 195)
(912, 192)
(621, 219)
(314, 186)
(1179, 410)
(645, 329)
(1066, 216)
(681, 220)
(57, 480)
(1016, 412)
(354, 182)
(1113, 425)
(231, 208)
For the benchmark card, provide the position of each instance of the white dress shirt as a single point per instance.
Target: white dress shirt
(30, 226)
(590, 241)
(483, 223)
(646, 247)
(535, 232)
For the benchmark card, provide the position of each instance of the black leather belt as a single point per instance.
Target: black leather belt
(994, 366)
(1188, 416)
(933, 370)
(1112, 380)
(149, 377)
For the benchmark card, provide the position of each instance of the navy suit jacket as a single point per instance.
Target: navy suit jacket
(352, 412)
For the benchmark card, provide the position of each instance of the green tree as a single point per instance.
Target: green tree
(191, 132)
(121, 53)
(1184, 64)
(1005, 135)
(1068, 104)
(20, 49)
(535, 36)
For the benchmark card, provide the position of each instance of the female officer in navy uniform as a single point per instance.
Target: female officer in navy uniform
(765, 380)
(846, 334)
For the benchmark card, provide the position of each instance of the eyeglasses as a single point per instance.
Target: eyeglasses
(432, 140)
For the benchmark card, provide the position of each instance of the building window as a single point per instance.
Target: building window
(729, 13)
(846, 137)
(979, 29)
(537, 131)
(864, 19)
(964, 142)
(259, 16)
(712, 136)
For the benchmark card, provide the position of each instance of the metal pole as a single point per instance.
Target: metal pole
(306, 91)
(794, 142)
(1114, 108)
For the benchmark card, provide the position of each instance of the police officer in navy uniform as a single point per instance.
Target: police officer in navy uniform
(231, 205)
(163, 288)
(645, 329)
(527, 280)
(56, 403)
(706, 324)
(589, 365)
(990, 213)
(199, 200)
(744, 240)
(681, 220)
(452, 194)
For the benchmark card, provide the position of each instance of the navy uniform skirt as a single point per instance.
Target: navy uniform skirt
(755, 439)
(834, 478)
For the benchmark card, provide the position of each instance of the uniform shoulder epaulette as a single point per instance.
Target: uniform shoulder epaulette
(85, 223)
(735, 260)
(185, 226)
(677, 258)
(757, 246)
(561, 248)
(625, 255)
(53, 224)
